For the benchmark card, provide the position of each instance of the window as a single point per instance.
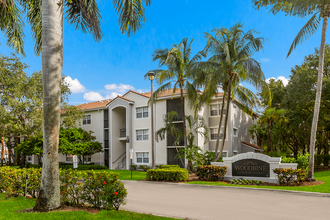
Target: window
(29, 158)
(224, 154)
(142, 135)
(235, 132)
(142, 157)
(87, 158)
(142, 112)
(69, 158)
(214, 133)
(215, 109)
(235, 152)
(87, 120)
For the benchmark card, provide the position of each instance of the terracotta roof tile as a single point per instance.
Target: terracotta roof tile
(92, 105)
(143, 94)
(252, 145)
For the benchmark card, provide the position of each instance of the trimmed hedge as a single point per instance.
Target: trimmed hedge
(170, 174)
(70, 166)
(167, 166)
(322, 159)
(211, 173)
(99, 189)
(144, 168)
(245, 182)
(288, 176)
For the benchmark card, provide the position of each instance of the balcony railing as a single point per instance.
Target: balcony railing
(122, 132)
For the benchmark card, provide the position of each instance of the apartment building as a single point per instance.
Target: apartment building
(124, 123)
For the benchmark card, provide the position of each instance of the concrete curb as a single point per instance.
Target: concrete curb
(301, 193)
(166, 216)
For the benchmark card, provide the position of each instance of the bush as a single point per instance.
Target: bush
(288, 176)
(167, 166)
(211, 173)
(242, 181)
(303, 161)
(99, 189)
(322, 159)
(285, 159)
(169, 174)
(133, 167)
(145, 168)
(70, 166)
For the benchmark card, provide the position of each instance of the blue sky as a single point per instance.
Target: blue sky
(118, 63)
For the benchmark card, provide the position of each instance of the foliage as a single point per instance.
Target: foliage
(303, 161)
(167, 166)
(242, 181)
(170, 174)
(71, 116)
(211, 173)
(99, 189)
(209, 157)
(32, 145)
(322, 159)
(288, 159)
(144, 167)
(133, 167)
(288, 176)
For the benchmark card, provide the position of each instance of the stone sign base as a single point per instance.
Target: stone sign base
(253, 166)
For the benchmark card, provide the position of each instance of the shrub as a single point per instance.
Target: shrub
(70, 166)
(133, 167)
(211, 173)
(145, 168)
(288, 176)
(167, 166)
(285, 159)
(303, 161)
(322, 159)
(169, 174)
(99, 189)
(242, 181)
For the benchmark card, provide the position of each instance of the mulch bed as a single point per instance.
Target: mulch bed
(67, 209)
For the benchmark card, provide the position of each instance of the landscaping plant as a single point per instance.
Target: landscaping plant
(211, 173)
(289, 176)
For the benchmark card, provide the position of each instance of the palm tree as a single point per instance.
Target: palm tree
(318, 10)
(172, 129)
(47, 29)
(177, 59)
(230, 64)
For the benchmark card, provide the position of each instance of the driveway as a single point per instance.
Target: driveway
(198, 202)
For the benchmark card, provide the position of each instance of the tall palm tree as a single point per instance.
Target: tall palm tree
(47, 29)
(177, 59)
(319, 10)
(230, 64)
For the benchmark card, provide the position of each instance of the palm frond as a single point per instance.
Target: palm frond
(131, 14)
(306, 31)
(85, 15)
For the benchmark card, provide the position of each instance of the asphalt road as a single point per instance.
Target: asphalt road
(196, 202)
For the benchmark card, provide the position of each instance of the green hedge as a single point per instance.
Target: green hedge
(289, 176)
(211, 173)
(70, 166)
(322, 159)
(99, 189)
(167, 166)
(170, 174)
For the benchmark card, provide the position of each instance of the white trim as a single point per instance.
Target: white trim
(143, 106)
(141, 129)
(141, 151)
(217, 128)
(234, 132)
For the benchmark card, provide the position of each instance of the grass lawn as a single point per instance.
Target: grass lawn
(9, 206)
(323, 176)
(126, 174)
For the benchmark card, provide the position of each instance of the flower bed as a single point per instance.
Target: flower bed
(70, 166)
(211, 173)
(289, 176)
(99, 189)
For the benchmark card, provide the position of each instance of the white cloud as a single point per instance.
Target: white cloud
(112, 95)
(121, 88)
(74, 85)
(284, 80)
(93, 96)
(264, 60)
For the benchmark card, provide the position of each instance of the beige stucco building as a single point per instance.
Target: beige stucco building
(124, 123)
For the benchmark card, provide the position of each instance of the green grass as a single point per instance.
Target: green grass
(126, 174)
(323, 176)
(9, 206)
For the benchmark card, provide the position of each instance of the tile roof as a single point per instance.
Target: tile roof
(252, 145)
(92, 105)
(168, 92)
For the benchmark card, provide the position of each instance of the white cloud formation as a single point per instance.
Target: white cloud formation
(112, 95)
(284, 80)
(74, 85)
(264, 60)
(93, 96)
(121, 88)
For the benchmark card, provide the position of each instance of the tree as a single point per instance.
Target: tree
(32, 146)
(71, 116)
(318, 10)
(230, 64)
(47, 29)
(177, 59)
(170, 128)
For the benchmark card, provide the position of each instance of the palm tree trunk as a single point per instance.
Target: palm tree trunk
(2, 150)
(184, 123)
(52, 64)
(226, 119)
(219, 128)
(310, 175)
(327, 144)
